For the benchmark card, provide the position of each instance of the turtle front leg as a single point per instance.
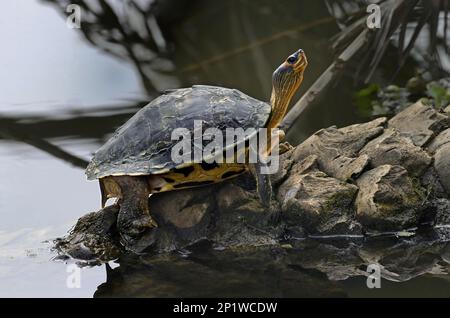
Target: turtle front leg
(264, 190)
(263, 184)
(134, 219)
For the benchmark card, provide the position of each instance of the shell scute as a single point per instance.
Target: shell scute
(143, 144)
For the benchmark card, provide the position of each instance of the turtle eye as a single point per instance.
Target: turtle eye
(292, 59)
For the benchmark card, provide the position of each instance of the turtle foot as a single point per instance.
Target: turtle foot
(137, 235)
(136, 226)
(143, 223)
(285, 147)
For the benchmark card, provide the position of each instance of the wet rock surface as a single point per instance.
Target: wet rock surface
(379, 176)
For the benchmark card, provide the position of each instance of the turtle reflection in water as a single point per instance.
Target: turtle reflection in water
(136, 161)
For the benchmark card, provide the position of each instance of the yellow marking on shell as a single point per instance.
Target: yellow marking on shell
(198, 177)
(157, 180)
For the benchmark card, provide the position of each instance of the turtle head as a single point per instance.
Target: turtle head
(287, 76)
(296, 61)
(285, 82)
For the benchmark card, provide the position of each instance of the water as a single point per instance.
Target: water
(61, 96)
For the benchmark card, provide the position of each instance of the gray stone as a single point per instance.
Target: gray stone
(442, 212)
(442, 165)
(430, 181)
(447, 110)
(286, 163)
(317, 201)
(337, 150)
(241, 219)
(178, 210)
(391, 148)
(420, 123)
(440, 140)
(388, 199)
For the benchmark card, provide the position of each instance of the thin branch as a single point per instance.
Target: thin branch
(11, 130)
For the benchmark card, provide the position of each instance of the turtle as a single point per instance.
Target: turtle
(137, 160)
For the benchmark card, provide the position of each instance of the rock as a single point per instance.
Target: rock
(440, 140)
(306, 165)
(340, 181)
(286, 163)
(391, 148)
(318, 202)
(182, 219)
(436, 177)
(442, 165)
(337, 150)
(420, 123)
(440, 148)
(242, 219)
(388, 200)
(94, 237)
(442, 212)
(232, 197)
(447, 110)
(178, 210)
(430, 181)
(416, 86)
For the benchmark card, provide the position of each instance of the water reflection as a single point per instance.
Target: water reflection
(258, 272)
(129, 30)
(39, 130)
(319, 267)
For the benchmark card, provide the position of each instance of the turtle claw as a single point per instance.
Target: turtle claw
(136, 229)
(138, 234)
(285, 147)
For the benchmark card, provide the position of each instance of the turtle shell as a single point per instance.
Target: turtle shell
(143, 145)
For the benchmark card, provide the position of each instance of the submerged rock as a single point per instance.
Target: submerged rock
(372, 177)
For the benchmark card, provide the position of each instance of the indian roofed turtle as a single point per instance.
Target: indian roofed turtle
(136, 161)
